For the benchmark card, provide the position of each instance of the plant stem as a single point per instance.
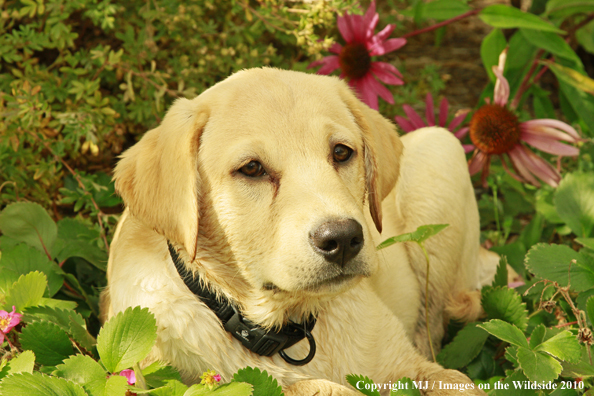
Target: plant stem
(441, 24)
(524, 85)
(422, 245)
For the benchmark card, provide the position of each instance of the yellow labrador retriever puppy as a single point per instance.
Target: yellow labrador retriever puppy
(253, 212)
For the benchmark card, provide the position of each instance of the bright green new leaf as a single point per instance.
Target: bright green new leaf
(171, 388)
(505, 17)
(126, 338)
(505, 304)
(420, 235)
(574, 200)
(231, 389)
(464, 347)
(552, 262)
(38, 384)
(501, 274)
(26, 291)
(538, 366)
(264, 384)
(491, 47)
(404, 387)
(363, 384)
(157, 373)
(23, 363)
(84, 371)
(116, 385)
(563, 346)
(22, 259)
(506, 332)
(553, 43)
(48, 341)
(28, 222)
(60, 304)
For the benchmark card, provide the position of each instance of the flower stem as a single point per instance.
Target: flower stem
(422, 245)
(525, 82)
(441, 24)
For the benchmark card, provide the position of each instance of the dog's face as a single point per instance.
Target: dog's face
(274, 168)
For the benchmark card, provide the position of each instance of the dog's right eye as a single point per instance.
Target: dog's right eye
(253, 169)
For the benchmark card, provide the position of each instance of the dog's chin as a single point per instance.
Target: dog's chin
(327, 286)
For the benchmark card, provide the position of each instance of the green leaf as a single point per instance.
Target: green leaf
(514, 384)
(505, 332)
(537, 336)
(420, 235)
(48, 341)
(552, 43)
(157, 373)
(563, 346)
(38, 384)
(22, 259)
(552, 262)
(76, 239)
(363, 384)
(501, 274)
(28, 222)
(464, 347)
(126, 338)
(574, 200)
(581, 369)
(264, 384)
(116, 385)
(26, 291)
(572, 77)
(23, 363)
(586, 242)
(538, 366)
(84, 371)
(404, 387)
(171, 388)
(565, 8)
(80, 334)
(491, 47)
(231, 389)
(444, 9)
(60, 304)
(505, 304)
(506, 17)
(58, 316)
(590, 309)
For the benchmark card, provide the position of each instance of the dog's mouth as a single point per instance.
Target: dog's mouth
(320, 285)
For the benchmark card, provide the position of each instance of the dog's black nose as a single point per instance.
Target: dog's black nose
(338, 240)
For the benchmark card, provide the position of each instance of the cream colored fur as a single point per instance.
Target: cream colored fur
(180, 183)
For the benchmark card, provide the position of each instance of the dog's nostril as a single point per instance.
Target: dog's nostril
(338, 240)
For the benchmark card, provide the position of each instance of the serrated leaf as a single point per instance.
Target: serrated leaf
(586, 242)
(26, 291)
(421, 234)
(231, 389)
(82, 336)
(501, 274)
(581, 369)
(38, 384)
(157, 373)
(552, 262)
(511, 354)
(23, 363)
(363, 384)
(404, 387)
(264, 384)
(48, 341)
(28, 222)
(538, 366)
(505, 332)
(126, 338)
(116, 385)
(514, 384)
(84, 371)
(574, 198)
(464, 347)
(75, 239)
(23, 259)
(505, 17)
(505, 304)
(58, 316)
(537, 336)
(563, 346)
(171, 388)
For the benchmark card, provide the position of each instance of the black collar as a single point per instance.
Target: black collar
(252, 336)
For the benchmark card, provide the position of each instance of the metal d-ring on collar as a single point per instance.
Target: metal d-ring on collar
(252, 336)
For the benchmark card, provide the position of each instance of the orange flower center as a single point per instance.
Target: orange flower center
(494, 129)
(354, 60)
(4, 322)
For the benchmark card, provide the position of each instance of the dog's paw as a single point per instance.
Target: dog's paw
(451, 382)
(318, 388)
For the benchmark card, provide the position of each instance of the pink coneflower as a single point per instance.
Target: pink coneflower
(414, 121)
(496, 130)
(354, 59)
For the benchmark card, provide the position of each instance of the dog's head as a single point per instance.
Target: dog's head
(274, 171)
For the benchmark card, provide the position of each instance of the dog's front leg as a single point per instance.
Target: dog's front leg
(318, 388)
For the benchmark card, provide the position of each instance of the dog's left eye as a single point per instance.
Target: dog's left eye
(342, 153)
(253, 169)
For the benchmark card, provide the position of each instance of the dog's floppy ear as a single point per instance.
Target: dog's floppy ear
(383, 149)
(158, 176)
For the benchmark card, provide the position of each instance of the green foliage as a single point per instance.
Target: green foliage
(264, 384)
(363, 384)
(418, 236)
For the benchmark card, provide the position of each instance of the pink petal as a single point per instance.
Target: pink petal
(546, 122)
(390, 45)
(344, 27)
(370, 20)
(501, 92)
(405, 124)
(468, 148)
(414, 118)
(521, 162)
(130, 376)
(365, 92)
(385, 76)
(477, 162)
(330, 63)
(457, 121)
(512, 174)
(381, 90)
(429, 110)
(335, 48)
(1, 337)
(548, 145)
(543, 170)
(388, 68)
(462, 132)
(357, 28)
(382, 35)
(443, 112)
